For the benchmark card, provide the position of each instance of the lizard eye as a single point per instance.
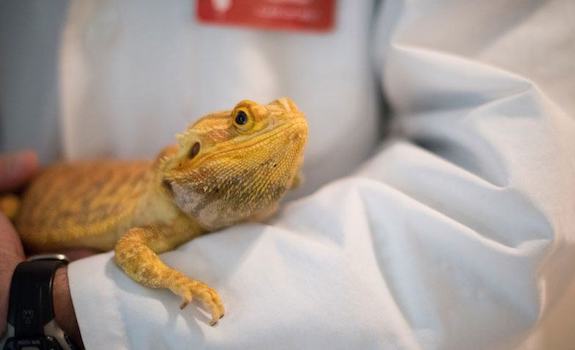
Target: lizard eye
(194, 150)
(241, 118)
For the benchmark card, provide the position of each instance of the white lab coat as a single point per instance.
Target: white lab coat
(458, 233)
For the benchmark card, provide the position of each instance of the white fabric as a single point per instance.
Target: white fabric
(458, 234)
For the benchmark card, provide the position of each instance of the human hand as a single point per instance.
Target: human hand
(15, 171)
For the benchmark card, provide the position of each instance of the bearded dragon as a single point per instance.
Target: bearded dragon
(226, 168)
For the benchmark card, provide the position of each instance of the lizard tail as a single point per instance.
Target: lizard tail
(9, 205)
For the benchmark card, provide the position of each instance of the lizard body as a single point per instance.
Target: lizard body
(228, 167)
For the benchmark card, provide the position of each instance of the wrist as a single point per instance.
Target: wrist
(63, 307)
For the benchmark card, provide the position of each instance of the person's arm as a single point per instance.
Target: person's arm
(15, 170)
(11, 253)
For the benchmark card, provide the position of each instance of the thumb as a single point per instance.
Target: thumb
(16, 169)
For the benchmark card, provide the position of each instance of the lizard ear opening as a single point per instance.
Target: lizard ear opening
(194, 150)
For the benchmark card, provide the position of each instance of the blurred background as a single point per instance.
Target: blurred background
(106, 78)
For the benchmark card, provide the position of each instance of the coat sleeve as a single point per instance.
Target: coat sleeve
(457, 234)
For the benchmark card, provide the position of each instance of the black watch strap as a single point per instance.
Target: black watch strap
(31, 306)
(31, 323)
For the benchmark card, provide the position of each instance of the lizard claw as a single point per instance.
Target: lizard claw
(186, 288)
(184, 304)
(215, 322)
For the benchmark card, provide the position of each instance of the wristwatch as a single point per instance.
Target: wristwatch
(31, 323)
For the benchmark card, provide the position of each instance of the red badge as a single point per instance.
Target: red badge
(302, 15)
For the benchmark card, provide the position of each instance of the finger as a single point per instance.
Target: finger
(16, 169)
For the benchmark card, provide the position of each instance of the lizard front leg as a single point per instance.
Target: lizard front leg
(136, 253)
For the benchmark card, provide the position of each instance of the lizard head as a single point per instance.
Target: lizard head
(236, 165)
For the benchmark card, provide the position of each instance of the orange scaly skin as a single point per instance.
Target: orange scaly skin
(228, 167)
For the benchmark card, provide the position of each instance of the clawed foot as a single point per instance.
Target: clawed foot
(188, 288)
